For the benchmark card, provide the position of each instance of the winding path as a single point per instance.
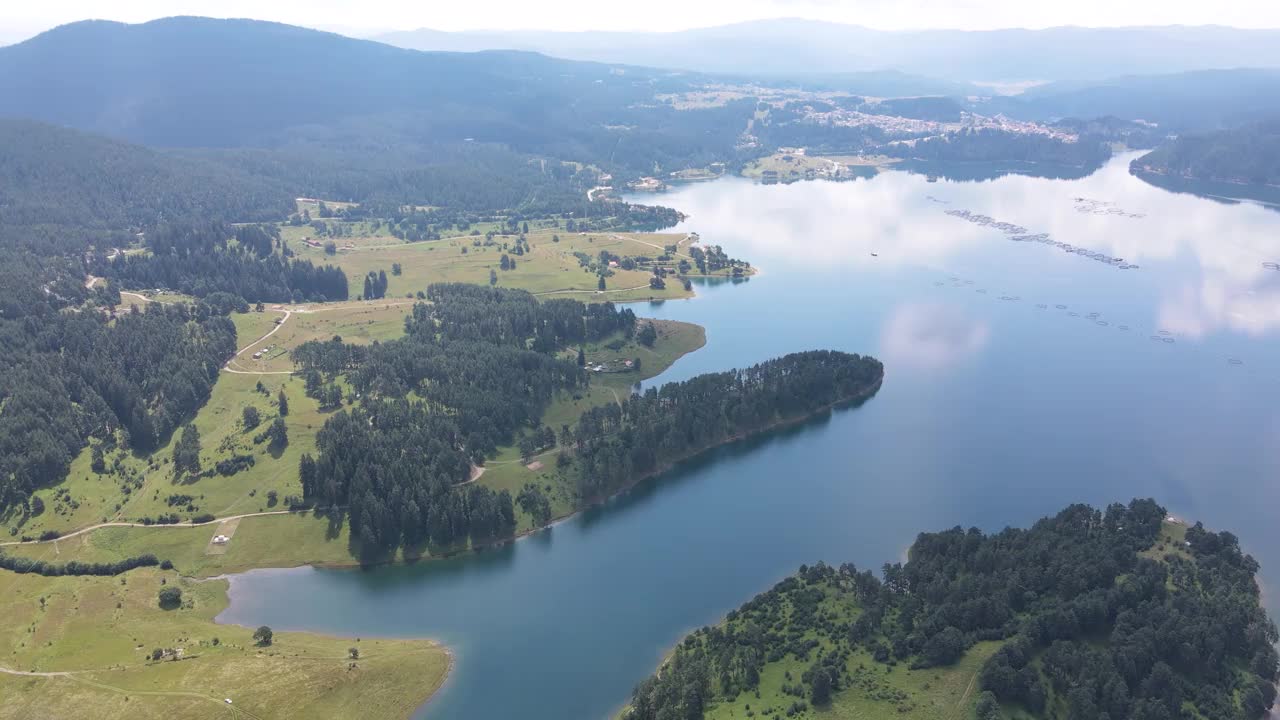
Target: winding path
(303, 309)
(91, 528)
(24, 673)
(144, 298)
(616, 236)
(73, 676)
(601, 292)
(287, 314)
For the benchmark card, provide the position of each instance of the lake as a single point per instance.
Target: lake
(1019, 378)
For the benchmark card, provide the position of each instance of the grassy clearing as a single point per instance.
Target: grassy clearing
(878, 692)
(506, 471)
(129, 298)
(265, 541)
(357, 322)
(863, 160)
(787, 167)
(137, 486)
(1171, 541)
(870, 690)
(103, 631)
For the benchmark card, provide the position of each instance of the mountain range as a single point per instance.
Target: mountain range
(793, 46)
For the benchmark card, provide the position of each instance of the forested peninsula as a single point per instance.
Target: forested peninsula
(615, 446)
(1248, 155)
(1089, 614)
(476, 371)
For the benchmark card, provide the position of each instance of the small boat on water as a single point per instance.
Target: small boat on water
(874, 255)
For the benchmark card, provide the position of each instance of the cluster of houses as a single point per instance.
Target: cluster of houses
(647, 184)
(617, 366)
(263, 352)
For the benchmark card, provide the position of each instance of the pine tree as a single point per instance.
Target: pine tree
(186, 452)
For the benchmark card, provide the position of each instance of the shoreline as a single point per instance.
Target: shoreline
(864, 394)
(595, 501)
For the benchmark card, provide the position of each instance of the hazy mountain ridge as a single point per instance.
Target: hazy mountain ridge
(1178, 102)
(1250, 155)
(787, 46)
(201, 82)
(232, 80)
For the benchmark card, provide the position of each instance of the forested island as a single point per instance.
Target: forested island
(1097, 614)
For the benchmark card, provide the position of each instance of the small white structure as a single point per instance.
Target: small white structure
(220, 540)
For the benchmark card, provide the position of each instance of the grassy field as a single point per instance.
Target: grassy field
(102, 632)
(87, 498)
(134, 486)
(549, 266)
(357, 322)
(137, 486)
(789, 166)
(285, 540)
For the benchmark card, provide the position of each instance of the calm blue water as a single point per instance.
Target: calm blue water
(993, 412)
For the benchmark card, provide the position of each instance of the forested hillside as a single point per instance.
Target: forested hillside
(991, 145)
(1098, 615)
(1250, 154)
(199, 259)
(69, 376)
(394, 461)
(61, 189)
(1197, 101)
(152, 83)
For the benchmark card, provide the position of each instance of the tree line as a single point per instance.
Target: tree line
(198, 260)
(23, 565)
(988, 145)
(612, 445)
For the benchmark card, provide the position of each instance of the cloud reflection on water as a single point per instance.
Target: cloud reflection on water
(930, 336)
(1201, 260)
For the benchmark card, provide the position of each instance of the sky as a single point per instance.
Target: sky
(20, 20)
